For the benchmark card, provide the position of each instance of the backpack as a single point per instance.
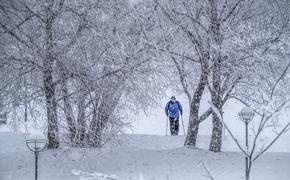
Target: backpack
(173, 109)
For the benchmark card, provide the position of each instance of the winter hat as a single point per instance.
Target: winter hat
(173, 98)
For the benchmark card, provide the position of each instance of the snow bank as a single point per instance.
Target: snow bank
(137, 157)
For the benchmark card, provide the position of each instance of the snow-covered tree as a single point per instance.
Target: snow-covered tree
(86, 57)
(201, 40)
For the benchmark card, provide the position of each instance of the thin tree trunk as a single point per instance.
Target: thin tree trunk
(81, 123)
(92, 128)
(100, 126)
(49, 87)
(99, 120)
(67, 105)
(102, 113)
(69, 114)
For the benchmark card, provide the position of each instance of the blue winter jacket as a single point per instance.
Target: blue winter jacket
(172, 109)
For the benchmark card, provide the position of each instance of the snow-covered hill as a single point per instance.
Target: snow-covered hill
(136, 157)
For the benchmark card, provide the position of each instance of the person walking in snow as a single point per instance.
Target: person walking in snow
(172, 109)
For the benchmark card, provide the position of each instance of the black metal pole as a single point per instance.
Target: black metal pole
(247, 148)
(36, 164)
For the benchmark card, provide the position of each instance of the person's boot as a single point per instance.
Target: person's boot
(172, 130)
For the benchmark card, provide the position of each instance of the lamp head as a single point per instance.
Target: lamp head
(36, 142)
(247, 114)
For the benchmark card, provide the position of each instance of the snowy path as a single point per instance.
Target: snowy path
(139, 157)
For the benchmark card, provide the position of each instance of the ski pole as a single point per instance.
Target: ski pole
(166, 124)
(182, 124)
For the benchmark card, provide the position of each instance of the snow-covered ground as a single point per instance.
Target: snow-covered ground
(138, 157)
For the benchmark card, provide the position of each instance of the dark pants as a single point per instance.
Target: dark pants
(174, 126)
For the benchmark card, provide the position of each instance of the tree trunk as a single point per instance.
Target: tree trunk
(49, 87)
(216, 98)
(102, 112)
(98, 125)
(81, 123)
(193, 126)
(99, 121)
(67, 105)
(92, 129)
(216, 137)
(191, 137)
(216, 93)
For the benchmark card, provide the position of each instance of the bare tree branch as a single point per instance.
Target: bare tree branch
(272, 142)
(279, 79)
(209, 174)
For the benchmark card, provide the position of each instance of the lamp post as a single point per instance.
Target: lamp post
(246, 115)
(36, 143)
